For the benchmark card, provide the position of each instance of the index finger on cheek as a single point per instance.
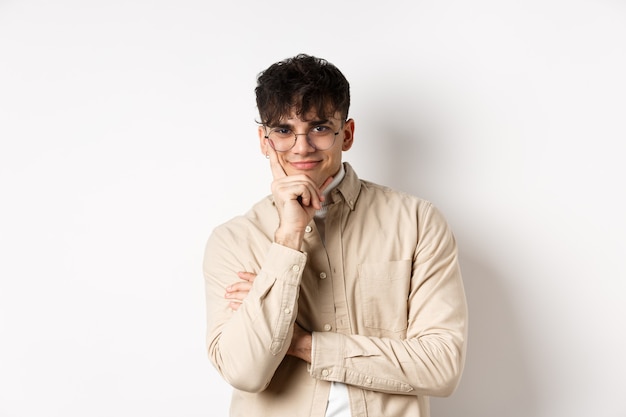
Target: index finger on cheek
(277, 169)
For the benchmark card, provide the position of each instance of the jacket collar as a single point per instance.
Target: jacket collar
(349, 188)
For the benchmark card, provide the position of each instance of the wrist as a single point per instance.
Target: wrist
(291, 239)
(301, 346)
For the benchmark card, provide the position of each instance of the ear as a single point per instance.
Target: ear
(348, 135)
(262, 141)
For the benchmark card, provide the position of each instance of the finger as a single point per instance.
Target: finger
(317, 202)
(238, 288)
(315, 195)
(236, 296)
(295, 189)
(246, 276)
(277, 169)
(303, 187)
(238, 291)
(312, 195)
(303, 193)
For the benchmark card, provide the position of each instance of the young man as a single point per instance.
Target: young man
(333, 296)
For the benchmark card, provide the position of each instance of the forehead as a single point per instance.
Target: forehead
(308, 118)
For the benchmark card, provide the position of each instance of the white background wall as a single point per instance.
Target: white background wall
(127, 133)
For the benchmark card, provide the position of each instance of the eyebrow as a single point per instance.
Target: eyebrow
(309, 123)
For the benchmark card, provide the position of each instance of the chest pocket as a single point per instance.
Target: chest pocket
(384, 289)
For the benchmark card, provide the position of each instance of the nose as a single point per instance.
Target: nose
(303, 146)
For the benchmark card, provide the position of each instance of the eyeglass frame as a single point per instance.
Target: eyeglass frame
(306, 135)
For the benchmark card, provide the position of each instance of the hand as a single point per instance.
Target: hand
(301, 343)
(297, 198)
(239, 290)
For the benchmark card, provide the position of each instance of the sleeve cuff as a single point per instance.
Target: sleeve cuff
(327, 356)
(285, 263)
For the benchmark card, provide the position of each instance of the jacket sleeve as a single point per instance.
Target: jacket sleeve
(430, 359)
(246, 346)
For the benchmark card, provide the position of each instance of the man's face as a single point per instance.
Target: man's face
(303, 158)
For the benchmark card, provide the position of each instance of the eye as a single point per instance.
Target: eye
(281, 132)
(321, 129)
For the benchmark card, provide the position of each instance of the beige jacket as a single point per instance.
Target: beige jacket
(384, 300)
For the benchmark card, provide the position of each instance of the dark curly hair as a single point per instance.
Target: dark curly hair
(303, 83)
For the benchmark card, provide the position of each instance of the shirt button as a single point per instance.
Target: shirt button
(327, 327)
(295, 268)
(368, 381)
(323, 275)
(325, 372)
(287, 311)
(308, 229)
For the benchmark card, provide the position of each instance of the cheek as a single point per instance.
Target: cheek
(283, 164)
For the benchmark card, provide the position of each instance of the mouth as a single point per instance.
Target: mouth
(304, 165)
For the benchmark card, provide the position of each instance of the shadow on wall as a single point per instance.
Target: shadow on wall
(418, 156)
(495, 382)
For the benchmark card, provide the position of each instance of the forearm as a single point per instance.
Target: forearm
(257, 335)
(427, 359)
(429, 365)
